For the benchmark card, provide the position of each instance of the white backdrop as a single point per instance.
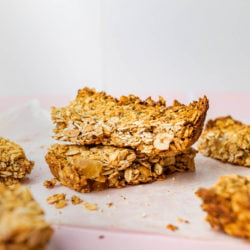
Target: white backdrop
(140, 46)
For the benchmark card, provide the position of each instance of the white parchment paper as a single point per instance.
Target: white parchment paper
(147, 207)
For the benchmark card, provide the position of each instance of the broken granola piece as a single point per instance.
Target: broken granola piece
(59, 200)
(50, 183)
(22, 223)
(149, 127)
(76, 200)
(13, 163)
(86, 169)
(227, 140)
(228, 205)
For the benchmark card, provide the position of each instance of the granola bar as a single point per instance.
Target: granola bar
(22, 224)
(147, 126)
(88, 169)
(13, 163)
(227, 140)
(228, 205)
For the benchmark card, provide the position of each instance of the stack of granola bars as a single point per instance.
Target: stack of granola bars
(114, 142)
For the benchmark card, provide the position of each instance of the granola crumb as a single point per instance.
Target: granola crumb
(90, 206)
(182, 220)
(59, 200)
(143, 215)
(109, 204)
(171, 227)
(61, 204)
(50, 183)
(75, 200)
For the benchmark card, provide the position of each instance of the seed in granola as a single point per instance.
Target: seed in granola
(71, 132)
(162, 141)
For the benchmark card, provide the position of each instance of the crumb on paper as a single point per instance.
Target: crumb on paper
(101, 237)
(182, 220)
(75, 200)
(90, 206)
(50, 183)
(143, 215)
(173, 178)
(171, 227)
(123, 197)
(59, 200)
(109, 204)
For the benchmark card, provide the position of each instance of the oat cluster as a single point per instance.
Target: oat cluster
(227, 140)
(147, 126)
(228, 205)
(13, 163)
(119, 142)
(85, 169)
(22, 223)
(58, 200)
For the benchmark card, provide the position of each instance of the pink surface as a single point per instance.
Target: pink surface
(75, 237)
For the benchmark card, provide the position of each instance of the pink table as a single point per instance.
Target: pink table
(70, 237)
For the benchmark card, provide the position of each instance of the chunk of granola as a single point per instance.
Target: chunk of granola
(22, 223)
(13, 163)
(227, 140)
(147, 126)
(86, 169)
(228, 205)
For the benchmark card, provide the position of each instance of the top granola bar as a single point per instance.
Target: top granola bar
(147, 126)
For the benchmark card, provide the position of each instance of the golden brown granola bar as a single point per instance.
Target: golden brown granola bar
(227, 140)
(22, 224)
(88, 169)
(147, 126)
(228, 205)
(13, 163)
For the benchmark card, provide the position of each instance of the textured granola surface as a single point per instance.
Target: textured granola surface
(227, 140)
(22, 224)
(88, 169)
(13, 163)
(228, 205)
(149, 127)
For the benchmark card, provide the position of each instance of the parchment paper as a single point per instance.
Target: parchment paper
(147, 207)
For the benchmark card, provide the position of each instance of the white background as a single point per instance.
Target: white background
(151, 46)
